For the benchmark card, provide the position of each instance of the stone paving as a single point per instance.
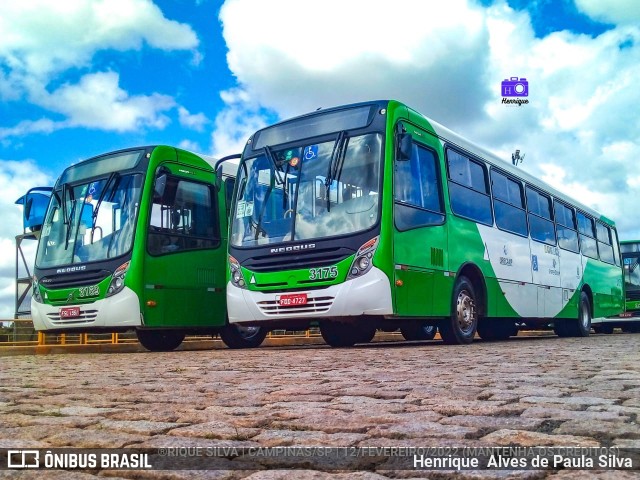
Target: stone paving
(534, 391)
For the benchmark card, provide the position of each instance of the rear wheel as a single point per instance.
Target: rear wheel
(160, 340)
(418, 331)
(579, 327)
(236, 336)
(461, 326)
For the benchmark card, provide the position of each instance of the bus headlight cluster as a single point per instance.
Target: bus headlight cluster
(237, 280)
(36, 290)
(363, 261)
(117, 281)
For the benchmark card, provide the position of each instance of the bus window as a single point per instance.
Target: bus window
(604, 243)
(508, 204)
(183, 218)
(540, 224)
(588, 244)
(566, 228)
(468, 188)
(417, 192)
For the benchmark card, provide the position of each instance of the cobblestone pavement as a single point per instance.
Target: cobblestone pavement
(536, 391)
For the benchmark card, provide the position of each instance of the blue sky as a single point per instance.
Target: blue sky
(83, 77)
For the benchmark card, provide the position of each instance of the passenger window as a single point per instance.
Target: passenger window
(540, 224)
(566, 228)
(605, 248)
(588, 245)
(183, 218)
(417, 190)
(468, 190)
(508, 204)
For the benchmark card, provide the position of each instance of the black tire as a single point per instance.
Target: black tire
(631, 328)
(490, 329)
(236, 336)
(576, 327)
(461, 326)
(418, 331)
(603, 328)
(338, 334)
(160, 340)
(366, 333)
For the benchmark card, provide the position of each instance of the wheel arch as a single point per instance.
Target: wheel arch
(475, 276)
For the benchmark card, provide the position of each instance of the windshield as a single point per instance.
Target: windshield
(632, 271)
(90, 221)
(310, 191)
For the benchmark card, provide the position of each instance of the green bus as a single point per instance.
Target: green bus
(372, 216)
(631, 260)
(136, 240)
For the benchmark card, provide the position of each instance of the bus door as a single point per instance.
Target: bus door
(420, 237)
(185, 256)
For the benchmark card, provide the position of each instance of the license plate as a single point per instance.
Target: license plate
(292, 299)
(69, 312)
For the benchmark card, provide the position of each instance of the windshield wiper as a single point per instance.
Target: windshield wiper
(113, 176)
(274, 164)
(68, 220)
(335, 165)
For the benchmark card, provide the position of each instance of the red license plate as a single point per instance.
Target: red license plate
(292, 299)
(69, 312)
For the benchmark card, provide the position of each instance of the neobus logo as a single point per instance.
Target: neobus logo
(293, 248)
(71, 269)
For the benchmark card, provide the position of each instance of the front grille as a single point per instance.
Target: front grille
(89, 277)
(291, 261)
(313, 305)
(86, 317)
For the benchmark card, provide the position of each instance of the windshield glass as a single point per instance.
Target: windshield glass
(311, 191)
(632, 271)
(90, 221)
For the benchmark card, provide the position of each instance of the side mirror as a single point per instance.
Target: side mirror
(405, 144)
(160, 185)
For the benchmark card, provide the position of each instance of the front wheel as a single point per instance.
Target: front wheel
(236, 336)
(461, 326)
(338, 334)
(160, 340)
(418, 331)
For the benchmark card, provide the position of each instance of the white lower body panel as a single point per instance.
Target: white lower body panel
(366, 295)
(120, 310)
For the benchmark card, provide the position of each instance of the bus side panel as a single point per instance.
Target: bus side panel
(606, 284)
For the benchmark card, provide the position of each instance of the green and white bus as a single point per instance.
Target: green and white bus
(631, 260)
(372, 216)
(137, 239)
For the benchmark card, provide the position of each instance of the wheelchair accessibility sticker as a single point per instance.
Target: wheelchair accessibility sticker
(310, 152)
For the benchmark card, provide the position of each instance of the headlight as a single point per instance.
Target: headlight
(363, 263)
(35, 294)
(117, 281)
(237, 280)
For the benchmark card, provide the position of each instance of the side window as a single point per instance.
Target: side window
(566, 227)
(417, 190)
(540, 224)
(183, 218)
(588, 245)
(468, 189)
(605, 247)
(616, 248)
(508, 204)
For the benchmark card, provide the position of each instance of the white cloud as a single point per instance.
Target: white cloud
(43, 42)
(448, 63)
(195, 121)
(16, 177)
(611, 11)
(97, 101)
